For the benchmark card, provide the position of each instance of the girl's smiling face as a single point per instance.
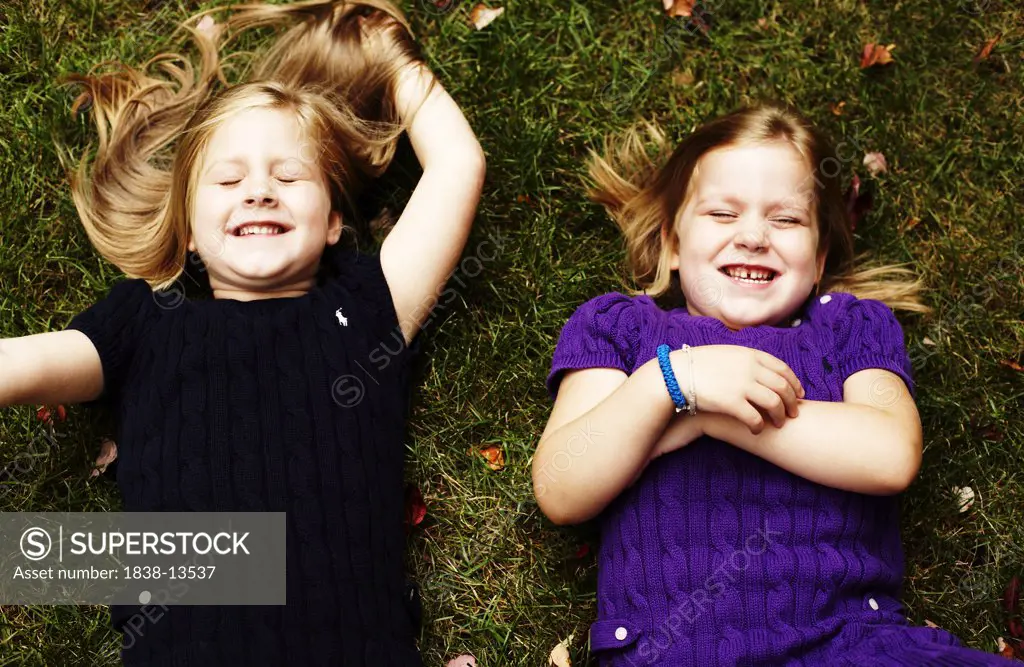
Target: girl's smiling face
(257, 168)
(750, 208)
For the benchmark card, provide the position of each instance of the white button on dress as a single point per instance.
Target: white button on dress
(796, 322)
(826, 298)
(873, 604)
(620, 633)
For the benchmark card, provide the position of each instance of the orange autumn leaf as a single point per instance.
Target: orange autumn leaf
(45, 414)
(494, 456)
(1011, 364)
(876, 54)
(676, 8)
(837, 109)
(986, 49)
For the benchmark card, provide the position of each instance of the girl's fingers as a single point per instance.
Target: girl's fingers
(750, 416)
(766, 399)
(779, 366)
(781, 386)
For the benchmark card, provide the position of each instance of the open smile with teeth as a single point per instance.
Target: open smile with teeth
(260, 230)
(751, 276)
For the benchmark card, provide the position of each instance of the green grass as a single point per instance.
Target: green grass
(540, 86)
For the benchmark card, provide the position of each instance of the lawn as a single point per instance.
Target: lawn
(541, 85)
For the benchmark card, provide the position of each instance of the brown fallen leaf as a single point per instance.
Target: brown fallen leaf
(1009, 363)
(482, 16)
(683, 78)
(676, 8)
(494, 456)
(560, 654)
(875, 163)
(986, 49)
(876, 54)
(837, 109)
(466, 660)
(108, 454)
(415, 508)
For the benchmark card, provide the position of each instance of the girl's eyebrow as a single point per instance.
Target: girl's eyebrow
(788, 202)
(241, 161)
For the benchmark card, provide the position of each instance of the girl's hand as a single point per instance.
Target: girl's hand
(741, 382)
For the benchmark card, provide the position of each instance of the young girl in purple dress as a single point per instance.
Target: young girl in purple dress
(743, 451)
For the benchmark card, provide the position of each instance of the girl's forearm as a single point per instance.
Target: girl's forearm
(843, 445)
(438, 131)
(581, 467)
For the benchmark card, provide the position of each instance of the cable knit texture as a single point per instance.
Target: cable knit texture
(716, 557)
(269, 406)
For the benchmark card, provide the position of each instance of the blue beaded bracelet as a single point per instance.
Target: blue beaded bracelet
(670, 378)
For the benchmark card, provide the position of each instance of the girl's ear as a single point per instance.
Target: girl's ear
(821, 265)
(668, 240)
(333, 227)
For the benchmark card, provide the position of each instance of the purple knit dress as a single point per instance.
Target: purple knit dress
(716, 557)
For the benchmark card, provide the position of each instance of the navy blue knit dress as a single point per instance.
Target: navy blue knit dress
(293, 405)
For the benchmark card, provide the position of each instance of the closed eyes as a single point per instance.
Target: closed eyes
(286, 181)
(724, 215)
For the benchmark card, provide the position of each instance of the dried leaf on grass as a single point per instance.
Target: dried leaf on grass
(494, 456)
(108, 454)
(876, 163)
(482, 16)
(986, 49)
(560, 654)
(876, 54)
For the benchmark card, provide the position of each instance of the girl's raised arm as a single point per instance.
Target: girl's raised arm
(421, 252)
(50, 368)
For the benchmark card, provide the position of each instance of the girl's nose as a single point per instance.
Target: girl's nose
(261, 197)
(752, 236)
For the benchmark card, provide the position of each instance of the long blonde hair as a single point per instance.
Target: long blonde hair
(335, 68)
(642, 184)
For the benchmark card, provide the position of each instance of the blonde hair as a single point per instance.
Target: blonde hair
(335, 68)
(643, 184)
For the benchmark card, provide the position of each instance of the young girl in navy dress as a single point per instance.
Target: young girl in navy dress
(744, 450)
(285, 391)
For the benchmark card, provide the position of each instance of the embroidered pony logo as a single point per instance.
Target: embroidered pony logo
(342, 320)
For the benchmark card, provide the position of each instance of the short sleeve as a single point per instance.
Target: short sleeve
(602, 333)
(115, 325)
(868, 335)
(362, 275)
